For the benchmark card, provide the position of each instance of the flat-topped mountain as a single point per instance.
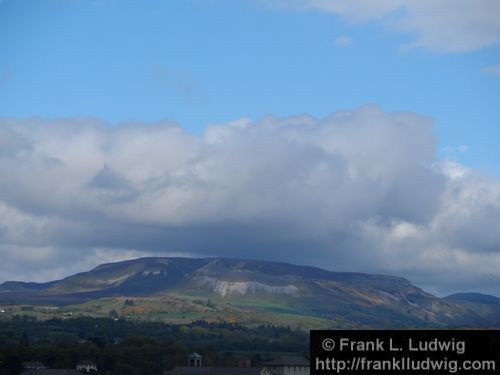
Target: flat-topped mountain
(252, 287)
(488, 307)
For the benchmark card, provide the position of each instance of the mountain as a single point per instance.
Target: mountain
(249, 291)
(478, 298)
(486, 306)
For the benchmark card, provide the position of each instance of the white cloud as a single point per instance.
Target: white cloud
(492, 69)
(438, 25)
(458, 249)
(343, 41)
(357, 190)
(455, 151)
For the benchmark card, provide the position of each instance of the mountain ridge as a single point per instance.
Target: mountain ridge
(266, 287)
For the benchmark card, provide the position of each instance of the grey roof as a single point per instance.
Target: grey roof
(195, 355)
(288, 361)
(215, 371)
(51, 371)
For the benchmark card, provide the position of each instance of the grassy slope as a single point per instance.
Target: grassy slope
(174, 309)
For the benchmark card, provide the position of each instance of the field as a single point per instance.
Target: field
(174, 309)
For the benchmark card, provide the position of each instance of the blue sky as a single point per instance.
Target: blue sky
(364, 132)
(204, 61)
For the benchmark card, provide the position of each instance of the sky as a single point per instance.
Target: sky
(352, 135)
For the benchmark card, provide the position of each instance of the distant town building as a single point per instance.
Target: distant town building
(194, 360)
(287, 365)
(86, 366)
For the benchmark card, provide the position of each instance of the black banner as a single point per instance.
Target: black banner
(409, 352)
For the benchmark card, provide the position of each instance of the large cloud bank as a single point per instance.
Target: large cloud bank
(358, 190)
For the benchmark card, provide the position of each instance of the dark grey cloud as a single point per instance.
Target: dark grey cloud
(357, 190)
(12, 143)
(111, 187)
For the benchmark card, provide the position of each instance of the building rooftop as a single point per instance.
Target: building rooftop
(215, 371)
(50, 371)
(288, 361)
